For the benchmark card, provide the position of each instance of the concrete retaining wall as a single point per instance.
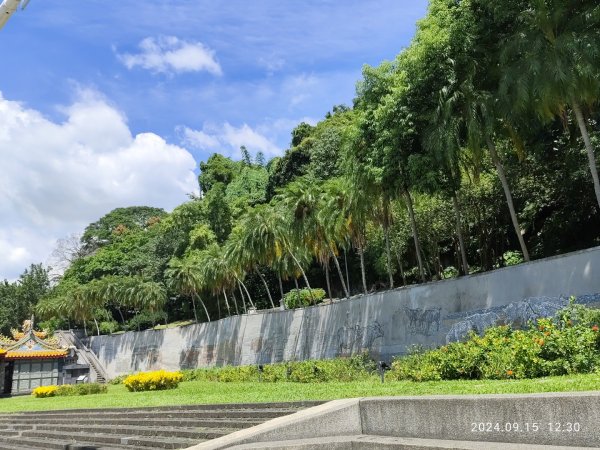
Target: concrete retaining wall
(385, 323)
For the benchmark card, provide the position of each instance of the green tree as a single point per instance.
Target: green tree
(552, 61)
(185, 276)
(103, 231)
(217, 169)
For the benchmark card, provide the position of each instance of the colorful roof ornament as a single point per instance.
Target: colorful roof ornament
(31, 344)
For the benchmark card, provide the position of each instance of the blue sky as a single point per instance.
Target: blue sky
(133, 86)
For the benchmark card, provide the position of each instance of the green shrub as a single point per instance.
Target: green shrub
(314, 371)
(450, 272)
(301, 297)
(117, 380)
(566, 344)
(512, 258)
(146, 319)
(81, 389)
(108, 327)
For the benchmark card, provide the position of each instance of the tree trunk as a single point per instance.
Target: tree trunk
(121, 314)
(298, 292)
(237, 311)
(242, 295)
(438, 262)
(312, 297)
(327, 281)
(589, 149)
(194, 306)
(97, 327)
(340, 274)
(386, 232)
(361, 252)
(226, 302)
(204, 306)
(218, 307)
(262, 278)
(248, 294)
(281, 303)
(401, 268)
(413, 224)
(346, 267)
(461, 241)
(508, 195)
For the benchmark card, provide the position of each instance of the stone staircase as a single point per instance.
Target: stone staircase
(134, 428)
(97, 372)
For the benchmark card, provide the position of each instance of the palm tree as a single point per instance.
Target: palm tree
(185, 276)
(474, 111)
(216, 271)
(443, 141)
(305, 199)
(242, 251)
(149, 295)
(266, 235)
(551, 62)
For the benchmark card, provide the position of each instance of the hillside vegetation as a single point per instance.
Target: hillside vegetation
(473, 148)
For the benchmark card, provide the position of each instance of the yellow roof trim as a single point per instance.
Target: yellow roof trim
(36, 354)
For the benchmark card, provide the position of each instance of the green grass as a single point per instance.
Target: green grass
(197, 392)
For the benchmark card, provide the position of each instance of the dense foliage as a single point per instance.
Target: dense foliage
(566, 344)
(355, 368)
(69, 390)
(472, 149)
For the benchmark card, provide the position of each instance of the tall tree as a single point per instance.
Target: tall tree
(552, 59)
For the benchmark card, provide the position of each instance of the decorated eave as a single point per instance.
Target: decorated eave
(32, 345)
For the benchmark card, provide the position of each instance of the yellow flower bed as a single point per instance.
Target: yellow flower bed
(152, 381)
(44, 391)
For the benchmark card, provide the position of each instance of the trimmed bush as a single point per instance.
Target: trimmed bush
(153, 381)
(359, 367)
(301, 297)
(82, 389)
(69, 389)
(44, 391)
(117, 380)
(569, 343)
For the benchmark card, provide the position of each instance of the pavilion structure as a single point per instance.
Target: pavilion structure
(31, 359)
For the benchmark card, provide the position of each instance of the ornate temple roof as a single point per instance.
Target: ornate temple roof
(30, 344)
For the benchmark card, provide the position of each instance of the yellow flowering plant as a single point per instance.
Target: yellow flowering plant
(44, 391)
(153, 381)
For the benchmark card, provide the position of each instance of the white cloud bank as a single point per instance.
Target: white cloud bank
(55, 178)
(170, 54)
(228, 139)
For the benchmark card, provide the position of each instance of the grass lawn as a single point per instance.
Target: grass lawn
(197, 392)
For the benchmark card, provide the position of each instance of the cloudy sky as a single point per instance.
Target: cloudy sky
(112, 104)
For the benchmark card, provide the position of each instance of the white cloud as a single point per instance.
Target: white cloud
(170, 54)
(300, 88)
(228, 139)
(55, 178)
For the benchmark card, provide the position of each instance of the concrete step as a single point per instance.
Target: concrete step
(196, 407)
(370, 442)
(28, 443)
(134, 428)
(111, 440)
(129, 430)
(179, 413)
(238, 423)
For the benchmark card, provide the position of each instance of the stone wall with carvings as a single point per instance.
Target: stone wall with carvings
(385, 323)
